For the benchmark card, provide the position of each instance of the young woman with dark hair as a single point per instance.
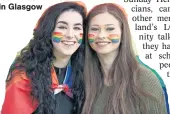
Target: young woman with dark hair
(115, 83)
(47, 76)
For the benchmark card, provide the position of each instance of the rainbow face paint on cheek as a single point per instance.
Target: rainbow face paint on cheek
(56, 36)
(91, 38)
(81, 38)
(114, 38)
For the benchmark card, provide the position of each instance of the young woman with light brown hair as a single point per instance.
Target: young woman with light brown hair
(115, 83)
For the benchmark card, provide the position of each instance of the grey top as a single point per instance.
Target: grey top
(149, 82)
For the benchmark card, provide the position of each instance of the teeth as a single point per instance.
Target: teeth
(102, 43)
(68, 43)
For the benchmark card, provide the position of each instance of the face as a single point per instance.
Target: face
(104, 34)
(67, 35)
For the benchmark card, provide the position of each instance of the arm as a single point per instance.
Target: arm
(151, 85)
(18, 99)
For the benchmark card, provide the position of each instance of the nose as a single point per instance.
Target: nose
(101, 34)
(69, 33)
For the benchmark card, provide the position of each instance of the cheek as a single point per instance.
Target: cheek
(63, 31)
(80, 35)
(93, 46)
(57, 36)
(56, 46)
(91, 37)
(115, 38)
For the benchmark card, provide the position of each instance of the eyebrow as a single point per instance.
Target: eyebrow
(108, 24)
(105, 25)
(76, 24)
(62, 22)
(95, 25)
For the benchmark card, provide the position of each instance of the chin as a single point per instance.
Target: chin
(68, 52)
(105, 51)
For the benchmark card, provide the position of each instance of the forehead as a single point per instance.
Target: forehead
(104, 19)
(71, 17)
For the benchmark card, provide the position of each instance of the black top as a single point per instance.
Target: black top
(64, 102)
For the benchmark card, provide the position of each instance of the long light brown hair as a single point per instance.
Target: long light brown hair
(127, 95)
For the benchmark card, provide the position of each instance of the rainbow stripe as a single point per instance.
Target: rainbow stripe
(91, 38)
(81, 38)
(56, 36)
(114, 38)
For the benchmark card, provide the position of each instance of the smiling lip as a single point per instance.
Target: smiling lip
(102, 43)
(67, 42)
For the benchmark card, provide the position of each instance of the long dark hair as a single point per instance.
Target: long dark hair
(126, 95)
(36, 59)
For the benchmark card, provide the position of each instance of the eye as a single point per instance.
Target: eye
(77, 28)
(110, 28)
(94, 29)
(62, 27)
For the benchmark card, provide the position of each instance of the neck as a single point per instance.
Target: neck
(61, 61)
(106, 61)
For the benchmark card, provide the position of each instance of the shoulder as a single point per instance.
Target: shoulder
(18, 87)
(146, 75)
(17, 76)
(149, 82)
